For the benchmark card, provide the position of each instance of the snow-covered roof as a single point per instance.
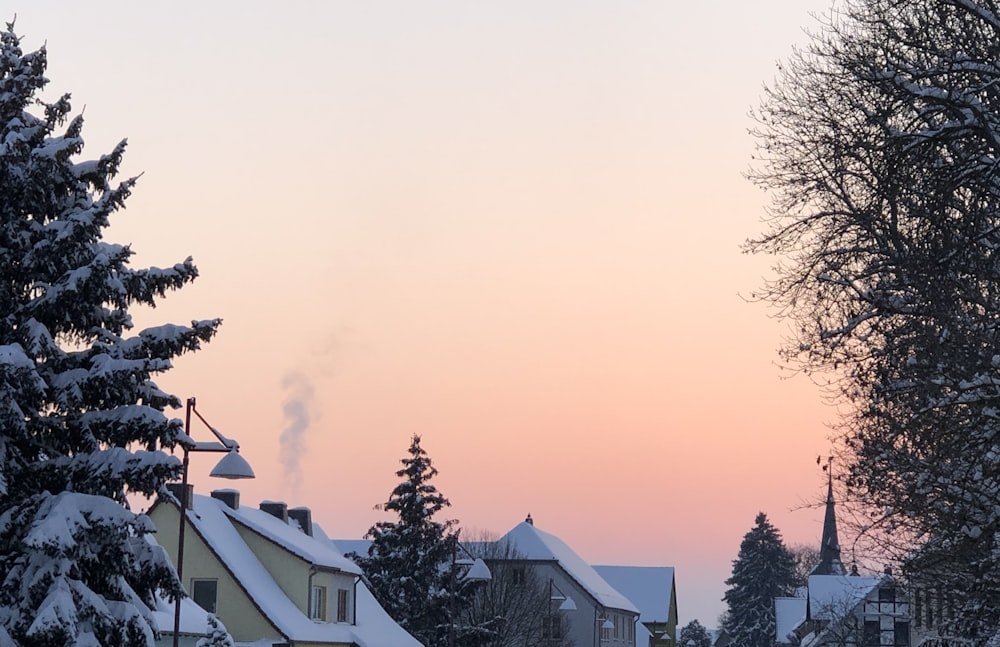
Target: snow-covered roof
(374, 627)
(642, 635)
(648, 587)
(347, 546)
(320, 553)
(789, 613)
(832, 596)
(537, 545)
(194, 619)
(213, 520)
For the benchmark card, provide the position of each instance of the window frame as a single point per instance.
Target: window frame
(317, 603)
(343, 602)
(198, 583)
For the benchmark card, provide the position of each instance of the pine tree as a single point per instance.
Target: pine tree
(693, 634)
(763, 570)
(81, 421)
(407, 561)
(217, 634)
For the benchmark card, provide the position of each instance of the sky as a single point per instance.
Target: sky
(512, 228)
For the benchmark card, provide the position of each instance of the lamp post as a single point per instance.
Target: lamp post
(232, 466)
(477, 572)
(566, 603)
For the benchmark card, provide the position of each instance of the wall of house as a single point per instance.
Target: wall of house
(584, 622)
(665, 633)
(889, 606)
(291, 572)
(236, 610)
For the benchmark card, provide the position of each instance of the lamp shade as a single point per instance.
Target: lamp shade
(232, 466)
(567, 605)
(478, 572)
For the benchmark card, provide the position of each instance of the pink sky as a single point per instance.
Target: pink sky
(512, 228)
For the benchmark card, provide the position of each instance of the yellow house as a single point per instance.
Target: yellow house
(268, 579)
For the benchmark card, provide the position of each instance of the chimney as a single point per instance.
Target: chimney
(229, 497)
(276, 508)
(303, 517)
(177, 489)
(529, 520)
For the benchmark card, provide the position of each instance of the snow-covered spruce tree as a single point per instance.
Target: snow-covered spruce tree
(763, 570)
(81, 422)
(217, 634)
(407, 563)
(880, 143)
(693, 634)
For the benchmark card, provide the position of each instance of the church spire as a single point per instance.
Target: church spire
(829, 550)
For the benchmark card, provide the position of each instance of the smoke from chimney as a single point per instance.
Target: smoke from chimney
(297, 409)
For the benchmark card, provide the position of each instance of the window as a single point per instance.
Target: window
(317, 603)
(517, 575)
(901, 633)
(872, 632)
(205, 593)
(342, 598)
(887, 594)
(551, 628)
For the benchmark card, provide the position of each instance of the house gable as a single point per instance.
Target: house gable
(202, 561)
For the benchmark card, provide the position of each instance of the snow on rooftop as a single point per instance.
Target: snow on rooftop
(374, 627)
(194, 619)
(212, 523)
(831, 596)
(538, 545)
(648, 587)
(321, 553)
(347, 546)
(789, 613)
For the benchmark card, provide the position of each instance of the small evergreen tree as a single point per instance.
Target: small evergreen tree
(407, 562)
(763, 570)
(217, 634)
(81, 421)
(693, 634)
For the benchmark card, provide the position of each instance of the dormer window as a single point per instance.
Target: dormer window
(317, 603)
(343, 596)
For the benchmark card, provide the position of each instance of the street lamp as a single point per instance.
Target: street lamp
(232, 466)
(566, 603)
(604, 625)
(477, 571)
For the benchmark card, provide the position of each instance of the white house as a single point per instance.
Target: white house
(603, 616)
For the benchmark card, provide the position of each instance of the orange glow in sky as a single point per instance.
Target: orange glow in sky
(512, 228)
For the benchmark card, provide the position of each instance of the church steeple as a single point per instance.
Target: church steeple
(829, 550)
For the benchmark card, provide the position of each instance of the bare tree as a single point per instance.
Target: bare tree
(515, 608)
(806, 557)
(880, 143)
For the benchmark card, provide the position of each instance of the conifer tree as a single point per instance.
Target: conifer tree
(763, 570)
(217, 634)
(82, 424)
(693, 634)
(406, 565)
